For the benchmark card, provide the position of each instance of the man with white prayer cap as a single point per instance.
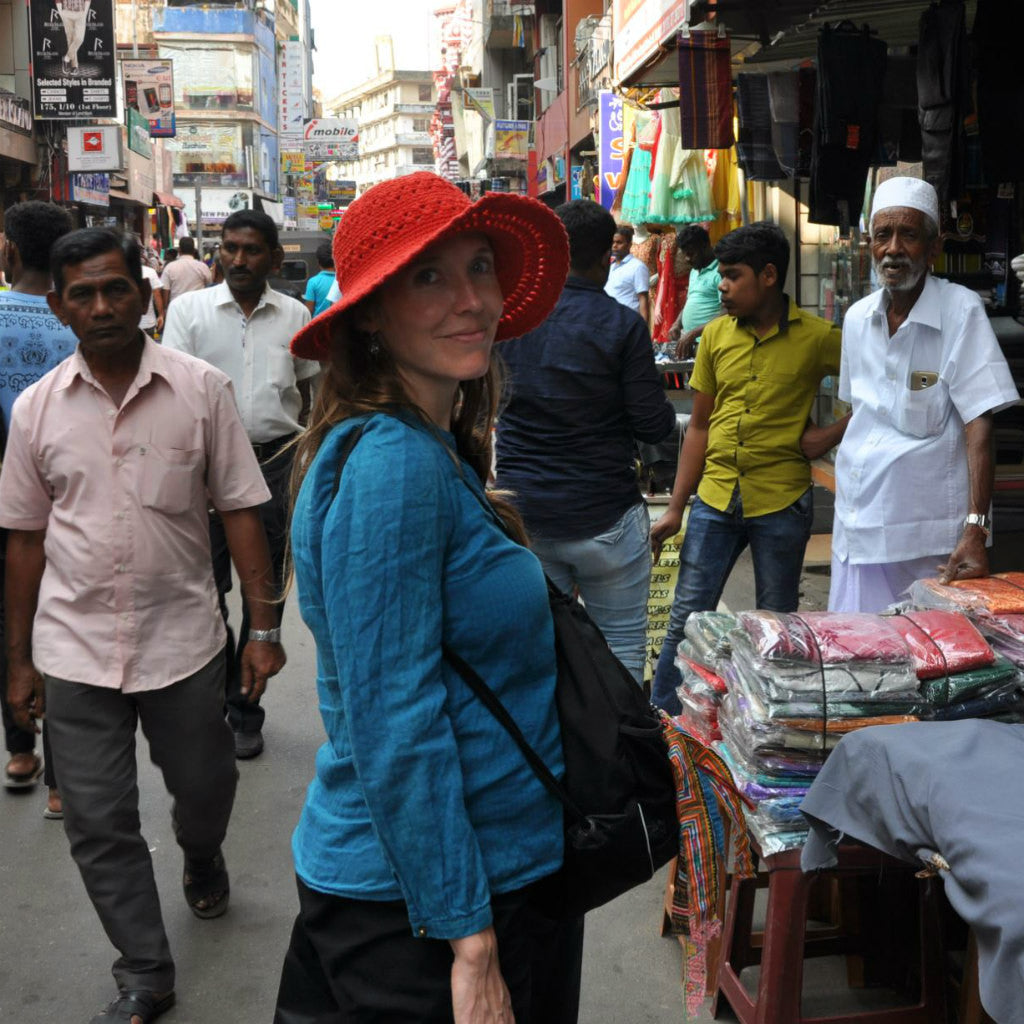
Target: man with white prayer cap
(924, 374)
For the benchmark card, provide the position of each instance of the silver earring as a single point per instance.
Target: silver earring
(374, 345)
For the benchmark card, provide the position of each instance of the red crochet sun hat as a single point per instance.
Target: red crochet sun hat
(393, 222)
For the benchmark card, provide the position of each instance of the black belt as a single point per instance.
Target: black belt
(266, 449)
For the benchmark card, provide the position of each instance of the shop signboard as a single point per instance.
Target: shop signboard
(511, 140)
(72, 56)
(218, 203)
(149, 89)
(93, 189)
(211, 149)
(480, 100)
(640, 27)
(609, 159)
(95, 148)
(138, 133)
(293, 161)
(291, 108)
(15, 111)
(331, 138)
(341, 190)
(309, 217)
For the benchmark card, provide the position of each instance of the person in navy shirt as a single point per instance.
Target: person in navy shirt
(581, 388)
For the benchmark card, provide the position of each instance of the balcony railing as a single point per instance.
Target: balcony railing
(590, 62)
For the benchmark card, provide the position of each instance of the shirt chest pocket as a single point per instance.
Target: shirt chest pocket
(169, 478)
(923, 413)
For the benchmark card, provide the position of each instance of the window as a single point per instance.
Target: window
(421, 124)
(426, 93)
(423, 155)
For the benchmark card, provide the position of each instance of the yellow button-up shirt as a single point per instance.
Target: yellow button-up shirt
(763, 390)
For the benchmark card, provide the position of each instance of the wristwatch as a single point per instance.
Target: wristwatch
(982, 522)
(267, 636)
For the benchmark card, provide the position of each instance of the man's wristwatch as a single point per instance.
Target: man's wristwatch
(267, 636)
(982, 522)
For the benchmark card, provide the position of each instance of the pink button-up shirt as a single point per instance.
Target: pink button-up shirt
(127, 599)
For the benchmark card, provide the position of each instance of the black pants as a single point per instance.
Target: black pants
(357, 962)
(243, 715)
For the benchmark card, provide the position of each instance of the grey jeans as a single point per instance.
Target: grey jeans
(92, 735)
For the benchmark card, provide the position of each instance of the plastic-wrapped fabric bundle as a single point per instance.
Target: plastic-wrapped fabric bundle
(1004, 703)
(942, 643)
(700, 693)
(847, 706)
(758, 785)
(963, 685)
(1006, 635)
(834, 655)
(1001, 594)
(709, 636)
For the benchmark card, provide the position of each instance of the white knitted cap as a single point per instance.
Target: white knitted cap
(911, 192)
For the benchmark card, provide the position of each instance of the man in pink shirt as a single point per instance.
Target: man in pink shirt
(184, 274)
(112, 618)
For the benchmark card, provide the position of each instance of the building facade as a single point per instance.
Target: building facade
(393, 110)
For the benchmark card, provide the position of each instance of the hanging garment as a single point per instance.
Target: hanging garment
(725, 195)
(705, 91)
(791, 99)
(754, 145)
(671, 291)
(680, 189)
(636, 197)
(943, 84)
(997, 32)
(851, 72)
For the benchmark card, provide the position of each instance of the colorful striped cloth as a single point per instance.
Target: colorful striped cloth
(705, 91)
(704, 789)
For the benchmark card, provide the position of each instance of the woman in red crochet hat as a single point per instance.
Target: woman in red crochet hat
(425, 838)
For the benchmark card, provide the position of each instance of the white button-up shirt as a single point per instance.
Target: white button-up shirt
(902, 486)
(253, 351)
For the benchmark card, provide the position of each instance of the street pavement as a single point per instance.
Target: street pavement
(55, 960)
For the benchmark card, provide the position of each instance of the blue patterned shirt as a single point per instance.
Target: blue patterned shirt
(32, 342)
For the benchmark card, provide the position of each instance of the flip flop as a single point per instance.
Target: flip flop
(206, 881)
(135, 1003)
(24, 780)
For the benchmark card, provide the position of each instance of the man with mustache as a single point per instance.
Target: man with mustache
(924, 374)
(244, 327)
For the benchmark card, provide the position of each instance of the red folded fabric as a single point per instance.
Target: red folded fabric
(830, 638)
(942, 643)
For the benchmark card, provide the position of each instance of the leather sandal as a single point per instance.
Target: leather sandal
(23, 780)
(135, 1003)
(206, 882)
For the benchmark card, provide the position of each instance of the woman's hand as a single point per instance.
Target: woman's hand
(479, 995)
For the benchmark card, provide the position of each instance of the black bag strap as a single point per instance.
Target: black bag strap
(490, 701)
(473, 680)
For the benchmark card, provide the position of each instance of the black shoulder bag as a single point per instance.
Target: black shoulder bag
(618, 791)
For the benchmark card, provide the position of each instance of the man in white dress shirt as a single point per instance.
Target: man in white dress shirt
(243, 327)
(924, 374)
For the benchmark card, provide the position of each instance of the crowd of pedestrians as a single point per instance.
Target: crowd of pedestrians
(136, 472)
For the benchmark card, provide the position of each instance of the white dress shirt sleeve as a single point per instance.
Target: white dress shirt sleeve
(178, 328)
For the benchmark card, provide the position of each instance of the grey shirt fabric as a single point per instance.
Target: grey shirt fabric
(947, 788)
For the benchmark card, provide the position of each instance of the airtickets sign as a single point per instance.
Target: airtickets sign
(72, 50)
(331, 139)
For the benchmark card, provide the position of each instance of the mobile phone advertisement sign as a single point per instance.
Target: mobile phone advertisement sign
(72, 52)
(149, 89)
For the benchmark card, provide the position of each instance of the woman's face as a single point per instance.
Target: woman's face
(437, 318)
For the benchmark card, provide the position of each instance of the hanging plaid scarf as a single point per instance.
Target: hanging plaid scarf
(704, 788)
(705, 91)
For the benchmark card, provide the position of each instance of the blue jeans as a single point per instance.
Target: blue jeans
(613, 574)
(712, 543)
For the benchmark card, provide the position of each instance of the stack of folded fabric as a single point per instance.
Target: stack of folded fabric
(775, 693)
(698, 658)
(995, 607)
(796, 685)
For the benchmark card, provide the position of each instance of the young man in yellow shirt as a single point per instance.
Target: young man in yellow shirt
(757, 371)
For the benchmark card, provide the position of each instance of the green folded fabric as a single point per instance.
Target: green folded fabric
(952, 689)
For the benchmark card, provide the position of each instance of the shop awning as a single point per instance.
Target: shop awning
(124, 197)
(167, 199)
